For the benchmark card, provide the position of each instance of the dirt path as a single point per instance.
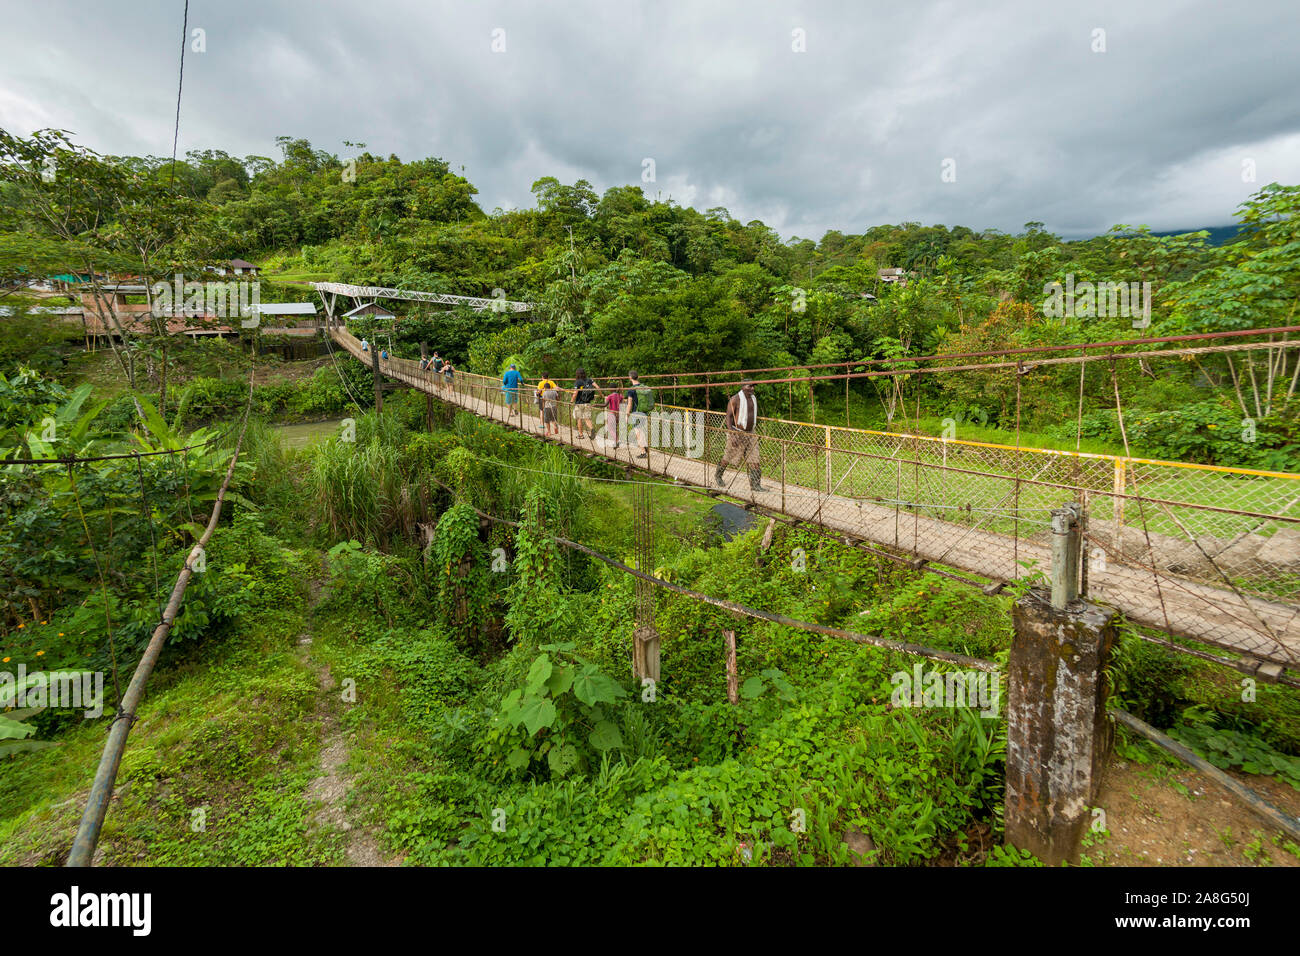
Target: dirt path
(1164, 816)
(333, 786)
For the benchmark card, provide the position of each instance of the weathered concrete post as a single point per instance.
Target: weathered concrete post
(1058, 735)
(374, 367)
(645, 652)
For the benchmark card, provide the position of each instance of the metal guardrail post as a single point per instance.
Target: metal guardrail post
(1065, 554)
(828, 460)
(1117, 506)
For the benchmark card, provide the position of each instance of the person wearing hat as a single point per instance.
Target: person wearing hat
(544, 386)
(742, 439)
(510, 383)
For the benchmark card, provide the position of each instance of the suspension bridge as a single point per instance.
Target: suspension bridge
(1203, 552)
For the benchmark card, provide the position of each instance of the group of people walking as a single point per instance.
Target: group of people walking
(442, 368)
(444, 371)
(631, 408)
(586, 397)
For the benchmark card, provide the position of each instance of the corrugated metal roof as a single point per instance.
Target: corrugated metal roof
(287, 308)
(44, 310)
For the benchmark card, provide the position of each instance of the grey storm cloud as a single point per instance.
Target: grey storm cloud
(855, 129)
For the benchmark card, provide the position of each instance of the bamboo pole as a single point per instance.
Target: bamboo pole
(101, 791)
(1261, 807)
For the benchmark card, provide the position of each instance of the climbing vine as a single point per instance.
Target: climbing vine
(456, 560)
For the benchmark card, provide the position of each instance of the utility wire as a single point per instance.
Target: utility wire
(180, 85)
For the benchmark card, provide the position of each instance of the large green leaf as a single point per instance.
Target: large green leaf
(593, 687)
(14, 730)
(783, 687)
(606, 736)
(560, 681)
(538, 673)
(157, 427)
(536, 713)
(561, 647)
(25, 746)
(24, 713)
(562, 759)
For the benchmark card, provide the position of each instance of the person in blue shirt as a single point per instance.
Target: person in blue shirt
(510, 383)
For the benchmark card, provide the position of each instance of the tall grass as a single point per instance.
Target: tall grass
(557, 475)
(367, 489)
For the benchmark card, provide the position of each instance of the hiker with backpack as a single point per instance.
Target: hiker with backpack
(742, 438)
(642, 399)
(584, 396)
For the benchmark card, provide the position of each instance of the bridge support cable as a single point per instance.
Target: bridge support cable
(741, 610)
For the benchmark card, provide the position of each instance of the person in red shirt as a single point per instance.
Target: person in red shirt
(612, 402)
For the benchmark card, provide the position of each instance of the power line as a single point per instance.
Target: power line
(736, 608)
(180, 85)
(135, 454)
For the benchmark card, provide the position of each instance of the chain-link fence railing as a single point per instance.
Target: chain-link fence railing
(1206, 551)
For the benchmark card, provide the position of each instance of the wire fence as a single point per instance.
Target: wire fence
(1203, 551)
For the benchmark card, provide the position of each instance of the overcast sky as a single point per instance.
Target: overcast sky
(851, 132)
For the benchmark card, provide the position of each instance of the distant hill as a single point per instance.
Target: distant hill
(1219, 235)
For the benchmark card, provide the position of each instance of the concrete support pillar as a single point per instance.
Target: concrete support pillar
(645, 653)
(1058, 735)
